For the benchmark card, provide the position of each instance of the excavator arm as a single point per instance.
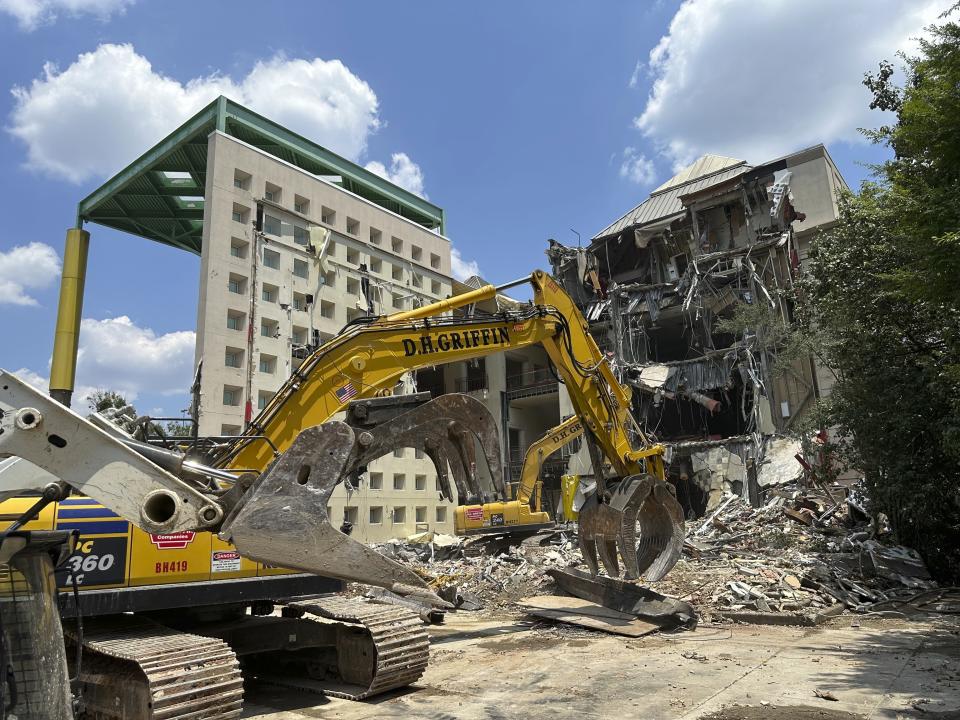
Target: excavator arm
(296, 455)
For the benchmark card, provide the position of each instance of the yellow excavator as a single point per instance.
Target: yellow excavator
(262, 498)
(522, 514)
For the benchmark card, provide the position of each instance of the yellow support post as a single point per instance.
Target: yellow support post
(64, 365)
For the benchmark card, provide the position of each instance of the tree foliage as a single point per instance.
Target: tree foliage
(883, 294)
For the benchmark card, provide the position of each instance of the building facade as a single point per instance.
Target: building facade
(268, 297)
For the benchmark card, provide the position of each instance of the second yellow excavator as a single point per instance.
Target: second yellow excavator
(522, 514)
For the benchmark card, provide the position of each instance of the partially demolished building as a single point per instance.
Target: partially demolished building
(720, 238)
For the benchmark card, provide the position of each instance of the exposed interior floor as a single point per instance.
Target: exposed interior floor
(501, 668)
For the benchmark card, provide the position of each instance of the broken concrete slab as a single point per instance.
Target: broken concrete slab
(626, 597)
(576, 611)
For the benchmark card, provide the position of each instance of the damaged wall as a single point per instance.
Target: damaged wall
(656, 284)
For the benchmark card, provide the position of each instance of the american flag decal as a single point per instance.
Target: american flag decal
(346, 392)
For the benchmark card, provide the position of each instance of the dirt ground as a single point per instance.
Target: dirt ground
(504, 667)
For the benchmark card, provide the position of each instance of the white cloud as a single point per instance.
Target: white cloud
(637, 167)
(756, 80)
(403, 172)
(635, 75)
(106, 108)
(462, 269)
(24, 267)
(117, 354)
(30, 14)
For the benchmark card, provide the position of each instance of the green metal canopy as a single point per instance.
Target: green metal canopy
(160, 195)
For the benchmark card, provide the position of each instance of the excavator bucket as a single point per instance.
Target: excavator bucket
(283, 519)
(639, 503)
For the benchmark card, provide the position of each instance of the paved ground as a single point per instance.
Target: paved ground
(503, 669)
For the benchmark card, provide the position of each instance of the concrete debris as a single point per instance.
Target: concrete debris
(800, 558)
(799, 555)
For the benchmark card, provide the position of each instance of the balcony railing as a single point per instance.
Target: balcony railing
(534, 382)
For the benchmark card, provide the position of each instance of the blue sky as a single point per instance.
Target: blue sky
(522, 120)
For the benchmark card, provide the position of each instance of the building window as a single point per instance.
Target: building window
(416, 252)
(398, 452)
(376, 480)
(441, 513)
(330, 278)
(229, 429)
(353, 226)
(331, 248)
(396, 244)
(353, 256)
(417, 280)
(301, 204)
(272, 225)
(354, 313)
(240, 213)
(299, 335)
(353, 286)
(420, 482)
(399, 481)
(301, 236)
(231, 395)
(235, 320)
(300, 268)
(399, 515)
(419, 454)
(421, 516)
(268, 328)
(376, 265)
(396, 272)
(327, 216)
(271, 259)
(238, 248)
(299, 301)
(241, 180)
(272, 193)
(268, 293)
(262, 399)
(237, 284)
(233, 357)
(434, 261)
(268, 364)
(398, 301)
(376, 515)
(376, 237)
(435, 287)
(350, 514)
(326, 309)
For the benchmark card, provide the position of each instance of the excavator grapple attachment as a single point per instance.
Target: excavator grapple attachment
(609, 525)
(283, 519)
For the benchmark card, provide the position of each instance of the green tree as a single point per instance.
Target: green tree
(883, 294)
(100, 400)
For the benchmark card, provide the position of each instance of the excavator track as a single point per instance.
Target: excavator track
(134, 669)
(378, 648)
(387, 649)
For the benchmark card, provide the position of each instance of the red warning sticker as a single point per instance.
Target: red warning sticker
(474, 513)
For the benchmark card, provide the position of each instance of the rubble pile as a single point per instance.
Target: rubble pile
(802, 556)
(486, 572)
(802, 552)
